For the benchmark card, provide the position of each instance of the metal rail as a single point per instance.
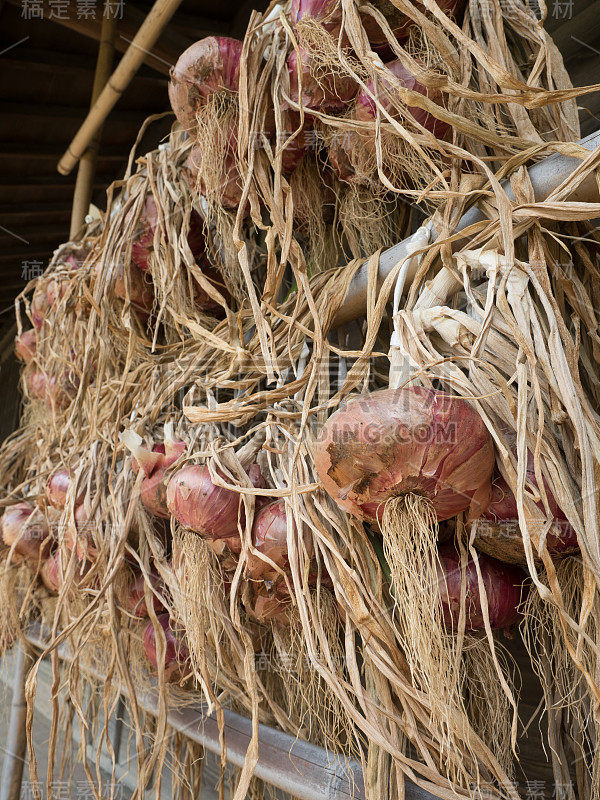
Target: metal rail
(303, 770)
(546, 176)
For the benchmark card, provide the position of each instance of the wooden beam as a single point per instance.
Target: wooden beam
(10, 109)
(12, 150)
(164, 53)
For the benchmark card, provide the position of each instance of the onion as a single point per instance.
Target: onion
(134, 598)
(503, 584)
(327, 12)
(177, 664)
(212, 511)
(399, 23)
(295, 149)
(498, 533)
(141, 290)
(366, 110)
(153, 492)
(57, 488)
(269, 537)
(39, 307)
(26, 346)
(338, 153)
(50, 573)
(208, 66)
(230, 184)
(54, 393)
(412, 440)
(330, 92)
(143, 242)
(83, 540)
(266, 604)
(56, 290)
(23, 527)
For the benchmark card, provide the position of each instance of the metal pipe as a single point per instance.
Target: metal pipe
(144, 40)
(546, 176)
(16, 745)
(303, 770)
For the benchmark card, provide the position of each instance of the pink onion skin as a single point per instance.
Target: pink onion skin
(150, 464)
(296, 149)
(269, 537)
(50, 573)
(153, 491)
(212, 511)
(55, 290)
(27, 530)
(177, 664)
(331, 93)
(504, 589)
(397, 441)
(26, 346)
(365, 109)
(327, 12)
(208, 66)
(134, 600)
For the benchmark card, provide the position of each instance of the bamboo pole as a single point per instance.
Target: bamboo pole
(16, 745)
(82, 195)
(146, 37)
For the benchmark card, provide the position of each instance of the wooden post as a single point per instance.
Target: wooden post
(87, 166)
(16, 745)
(146, 37)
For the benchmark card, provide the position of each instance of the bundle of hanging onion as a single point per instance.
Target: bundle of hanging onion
(498, 533)
(209, 66)
(213, 511)
(365, 109)
(26, 346)
(323, 91)
(266, 603)
(133, 596)
(176, 659)
(82, 539)
(230, 182)
(406, 443)
(503, 586)
(24, 527)
(39, 306)
(270, 539)
(154, 463)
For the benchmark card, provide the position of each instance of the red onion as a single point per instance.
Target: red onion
(296, 148)
(338, 153)
(366, 111)
(230, 186)
(399, 441)
(50, 573)
(39, 307)
(143, 242)
(399, 23)
(134, 599)
(57, 488)
(141, 290)
(208, 66)
(266, 604)
(56, 290)
(269, 536)
(153, 492)
(177, 664)
(503, 584)
(26, 346)
(54, 393)
(327, 12)
(82, 541)
(331, 92)
(23, 527)
(498, 532)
